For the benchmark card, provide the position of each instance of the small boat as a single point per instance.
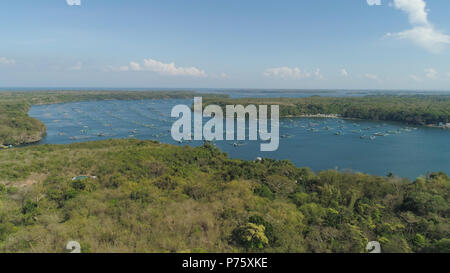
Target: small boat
(237, 144)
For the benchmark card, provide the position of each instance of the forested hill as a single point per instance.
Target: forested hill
(417, 109)
(151, 197)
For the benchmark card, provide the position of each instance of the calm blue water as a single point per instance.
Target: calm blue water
(313, 142)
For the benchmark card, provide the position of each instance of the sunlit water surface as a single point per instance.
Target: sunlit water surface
(319, 143)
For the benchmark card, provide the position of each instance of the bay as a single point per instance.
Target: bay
(372, 147)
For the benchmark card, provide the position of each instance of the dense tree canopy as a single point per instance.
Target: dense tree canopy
(418, 109)
(16, 126)
(151, 197)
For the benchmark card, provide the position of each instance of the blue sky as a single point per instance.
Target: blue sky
(355, 44)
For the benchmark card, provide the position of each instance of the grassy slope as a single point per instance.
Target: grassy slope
(418, 109)
(16, 127)
(152, 197)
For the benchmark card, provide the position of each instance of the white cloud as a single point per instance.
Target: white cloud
(285, 72)
(73, 2)
(171, 69)
(423, 32)
(371, 76)
(318, 74)
(78, 66)
(224, 76)
(431, 73)
(135, 66)
(416, 10)
(426, 37)
(415, 78)
(374, 2)
(161, 68)
(124, 68)
(344, 72)
(117, 68)
(6, 61)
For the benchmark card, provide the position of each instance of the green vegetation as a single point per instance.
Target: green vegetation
(143, 196)
(151, 197)
(417, 109)
(16, 127)
(52, 97)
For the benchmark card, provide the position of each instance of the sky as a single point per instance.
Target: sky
(283, 44)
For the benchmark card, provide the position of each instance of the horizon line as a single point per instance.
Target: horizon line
(79, 88)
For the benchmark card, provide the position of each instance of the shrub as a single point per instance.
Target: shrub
(251, 236)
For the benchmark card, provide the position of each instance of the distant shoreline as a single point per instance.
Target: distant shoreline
(437, 126)
(18, 128)
(334, 116)
(314, 116)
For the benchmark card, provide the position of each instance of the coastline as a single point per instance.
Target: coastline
(17, 128)
(437, 126)
(16, 133)
(314, 116)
